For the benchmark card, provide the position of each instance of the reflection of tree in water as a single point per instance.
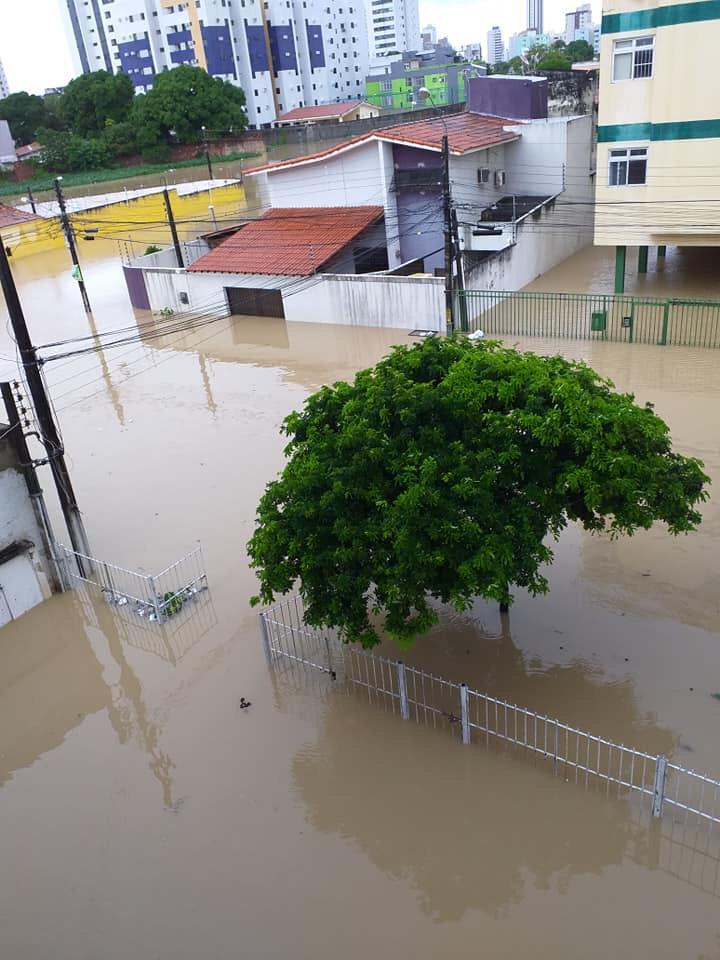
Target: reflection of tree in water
(464, 650)
(468, 827)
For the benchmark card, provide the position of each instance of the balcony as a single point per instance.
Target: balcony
(497, 227)
(487, 237)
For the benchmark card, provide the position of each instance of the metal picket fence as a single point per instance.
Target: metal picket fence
(478, 717)
(156, 597)
(579, 316)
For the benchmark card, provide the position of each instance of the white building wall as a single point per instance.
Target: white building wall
(406, 303)
(393, 26)
(349, 178)
(464, 176)
(24, 580)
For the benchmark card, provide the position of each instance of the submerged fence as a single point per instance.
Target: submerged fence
(156, 597)
(578, 316)
(477, 717)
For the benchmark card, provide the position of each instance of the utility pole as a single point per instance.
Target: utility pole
(48, 431)
(447, 232)
(207, 154)
(70, 237)
(462, 304)
(173, 228)
(31, 200)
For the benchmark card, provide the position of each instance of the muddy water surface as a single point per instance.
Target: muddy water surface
(144, 814)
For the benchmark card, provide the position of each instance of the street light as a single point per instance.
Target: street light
(207, 152)
(425, 94)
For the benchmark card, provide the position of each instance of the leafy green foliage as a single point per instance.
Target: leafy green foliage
(65, 152)
(92, 99)
(579, 50)
(184, 100)
(442, 472)
(557, 56)
(25, 114)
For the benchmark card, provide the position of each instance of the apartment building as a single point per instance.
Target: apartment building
(393, 27)
(577, 22)
(535, 15)
(4, 89)
(495, 49)
(658, 129)
(285, 54)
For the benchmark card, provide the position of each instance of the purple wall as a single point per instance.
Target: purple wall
(418, 192)
(135, 280)
(517, 98)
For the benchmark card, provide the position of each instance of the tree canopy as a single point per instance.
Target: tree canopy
(443, 471)
(556, 56)
(92, 101)
(25, 114)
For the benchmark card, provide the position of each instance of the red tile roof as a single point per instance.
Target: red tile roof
(288, 242)
(9, 216)
(29, 150)
(325, 111)
(465, 131)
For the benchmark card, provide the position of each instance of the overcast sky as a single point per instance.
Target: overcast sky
(34, 52)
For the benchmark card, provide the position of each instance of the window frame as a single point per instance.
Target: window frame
(627, 159)
(632, 50)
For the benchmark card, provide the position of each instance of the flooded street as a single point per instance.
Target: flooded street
(144, 814)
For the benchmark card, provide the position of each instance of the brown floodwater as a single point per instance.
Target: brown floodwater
(143, 813)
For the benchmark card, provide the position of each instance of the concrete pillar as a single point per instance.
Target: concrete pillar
(620, 253)
(642, 259)
(661, 251)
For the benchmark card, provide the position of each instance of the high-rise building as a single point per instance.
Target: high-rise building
(579, 20)
(283, 53)
(472, 51)
(4, 89)
(393, 26)
(428, 37)
(495, 52)
(535, 15)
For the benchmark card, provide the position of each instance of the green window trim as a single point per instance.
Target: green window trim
(668, 16)
(677, 130)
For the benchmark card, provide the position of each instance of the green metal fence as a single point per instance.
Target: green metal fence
(580, 316)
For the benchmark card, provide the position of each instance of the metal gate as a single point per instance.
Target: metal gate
(255, 302)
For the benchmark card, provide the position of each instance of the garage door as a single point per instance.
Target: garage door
(255, 302)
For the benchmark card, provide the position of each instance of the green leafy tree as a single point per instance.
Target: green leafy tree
(25, 114)
(89, 101)
(442, 472)
(513, 66)
(184, 100)
(67, 153)
(120, 138)
(579, 50)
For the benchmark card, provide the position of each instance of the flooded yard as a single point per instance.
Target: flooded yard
(143, 813)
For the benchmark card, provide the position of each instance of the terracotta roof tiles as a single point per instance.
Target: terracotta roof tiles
(325, 111)
(10, 216)
(288, 242)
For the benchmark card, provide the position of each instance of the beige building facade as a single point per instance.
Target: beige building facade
(658, 128)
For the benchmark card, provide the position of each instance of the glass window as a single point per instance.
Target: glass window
(633, 59)
(627, 167)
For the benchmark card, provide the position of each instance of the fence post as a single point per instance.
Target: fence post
(666, 318)
(155, 600)
(659, 786)
(556, 739)
(464, 713)
(402, 687)
(265, 637)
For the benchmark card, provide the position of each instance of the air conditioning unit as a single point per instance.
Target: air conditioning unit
(500, 178)
(484, 175)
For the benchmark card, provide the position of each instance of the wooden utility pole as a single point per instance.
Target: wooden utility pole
(173, 228)
(49, 435)
(70, 237)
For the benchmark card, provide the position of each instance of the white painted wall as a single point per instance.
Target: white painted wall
(23, 579)
(351, 178)
(464, 177)
(406, 303)
(536, 163)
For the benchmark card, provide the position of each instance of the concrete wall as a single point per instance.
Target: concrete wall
(407, 303)
(26, 575)
(349, 178)
(543, 240)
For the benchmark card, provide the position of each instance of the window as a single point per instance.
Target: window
(628, 167)
(633, 59)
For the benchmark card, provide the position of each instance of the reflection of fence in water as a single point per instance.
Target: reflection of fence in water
(415, 694)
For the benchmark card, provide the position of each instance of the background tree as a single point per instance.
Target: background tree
(91, 100)
(579, 50)
(66, 153)
(26, 114)
(184, 100)
(440, 473)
